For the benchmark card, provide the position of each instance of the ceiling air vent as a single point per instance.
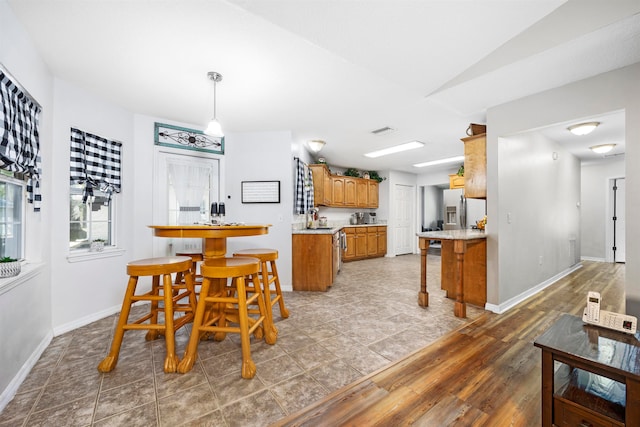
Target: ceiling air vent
(383, 131)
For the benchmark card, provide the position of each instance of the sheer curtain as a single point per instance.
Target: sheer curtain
(191, 185)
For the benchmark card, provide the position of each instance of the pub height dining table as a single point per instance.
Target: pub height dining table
(214, 245)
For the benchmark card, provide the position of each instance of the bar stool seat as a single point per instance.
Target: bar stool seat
(269, 277)
(161, 267)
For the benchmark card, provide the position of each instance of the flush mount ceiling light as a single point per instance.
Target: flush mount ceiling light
(439, 162)
(583, 128)
(396, 149)
(316, 145)
(602, 148)
(214, 128)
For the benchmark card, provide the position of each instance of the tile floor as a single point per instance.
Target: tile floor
(369, 318)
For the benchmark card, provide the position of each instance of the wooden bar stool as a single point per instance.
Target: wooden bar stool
(159, 268)
(220, 303)
(196, 257)
(269, 277)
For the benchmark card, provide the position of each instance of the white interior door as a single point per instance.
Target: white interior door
(185, 187)
(619, 223)
(403, 209)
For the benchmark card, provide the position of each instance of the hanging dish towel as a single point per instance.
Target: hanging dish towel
(304, 187)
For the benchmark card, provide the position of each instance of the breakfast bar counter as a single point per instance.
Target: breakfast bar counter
(463, 259)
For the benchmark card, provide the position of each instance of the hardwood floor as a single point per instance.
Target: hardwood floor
(484, 374)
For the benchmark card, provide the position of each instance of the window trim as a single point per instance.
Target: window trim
(5, 176)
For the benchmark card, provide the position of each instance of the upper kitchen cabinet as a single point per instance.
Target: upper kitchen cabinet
(372, 189)
(475, 166)
(343, 191)
(322, 185)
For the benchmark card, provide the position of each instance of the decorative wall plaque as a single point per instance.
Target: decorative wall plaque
(189, 139)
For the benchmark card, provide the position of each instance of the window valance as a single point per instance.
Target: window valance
(19, 137)
(95, 162)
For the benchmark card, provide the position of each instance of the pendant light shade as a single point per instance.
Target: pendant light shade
(213, 128)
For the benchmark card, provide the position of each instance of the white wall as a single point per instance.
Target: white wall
(538, 214)
(262, 156)
(82, 291)
(25, 304)
(613, 91)
(595, 210)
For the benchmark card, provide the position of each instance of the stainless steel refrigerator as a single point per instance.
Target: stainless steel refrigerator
(461, 212)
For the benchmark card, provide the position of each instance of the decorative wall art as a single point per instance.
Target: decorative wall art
(188, 139)
(260, 191)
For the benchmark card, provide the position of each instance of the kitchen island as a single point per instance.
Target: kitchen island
(463, 266)
(318, 253)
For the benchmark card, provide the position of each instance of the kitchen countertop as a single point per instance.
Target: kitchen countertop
(467, 234)
(332, 229)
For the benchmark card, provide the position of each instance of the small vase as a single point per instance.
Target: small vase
(10, 269)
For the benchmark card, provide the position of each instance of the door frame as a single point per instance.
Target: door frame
(608, 221)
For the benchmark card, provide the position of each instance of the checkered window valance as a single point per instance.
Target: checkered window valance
(19, 138)
(95, 162)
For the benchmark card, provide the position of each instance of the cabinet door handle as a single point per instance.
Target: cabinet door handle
(584, 423)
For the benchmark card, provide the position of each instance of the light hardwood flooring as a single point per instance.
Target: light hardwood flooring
(486, 373)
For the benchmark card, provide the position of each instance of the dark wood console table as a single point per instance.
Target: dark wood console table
(590, 353)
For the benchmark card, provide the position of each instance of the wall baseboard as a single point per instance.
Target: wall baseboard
(512, 302)
(12, 388)
(588, 258)
(84, 321)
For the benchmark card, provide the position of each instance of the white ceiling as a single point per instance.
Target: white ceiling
(336, 70)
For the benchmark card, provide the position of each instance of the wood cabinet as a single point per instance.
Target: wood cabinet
(456, 181)
(313, 264)
(343, 191)
(350, 192)
(365, 242)
(372, 190)
(350, 251)
(475, 166)
(322, 185)
(338, 186)
(474, 274)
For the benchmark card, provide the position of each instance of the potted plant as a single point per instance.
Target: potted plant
(97, 245)
(9, 267)
(461, 170)
(374, 175)
(352, 172)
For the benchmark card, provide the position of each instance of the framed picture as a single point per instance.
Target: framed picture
(260, 191)
(188, 139)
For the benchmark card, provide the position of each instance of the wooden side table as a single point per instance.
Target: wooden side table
(593, 353)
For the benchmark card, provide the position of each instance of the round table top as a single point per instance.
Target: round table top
(206, 231)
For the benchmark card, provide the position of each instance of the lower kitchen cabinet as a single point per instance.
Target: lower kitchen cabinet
(313, 262)
(365, 242)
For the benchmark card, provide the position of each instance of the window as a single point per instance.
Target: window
(11, 217)
(94, 177)
(91, 220)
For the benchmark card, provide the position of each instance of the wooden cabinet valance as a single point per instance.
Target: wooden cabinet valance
(343, 191)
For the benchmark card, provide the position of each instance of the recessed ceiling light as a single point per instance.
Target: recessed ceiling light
(439, 162)
(583, 128)
(602, 148)
(396, 149)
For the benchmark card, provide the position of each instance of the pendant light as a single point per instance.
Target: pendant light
(214, 128)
